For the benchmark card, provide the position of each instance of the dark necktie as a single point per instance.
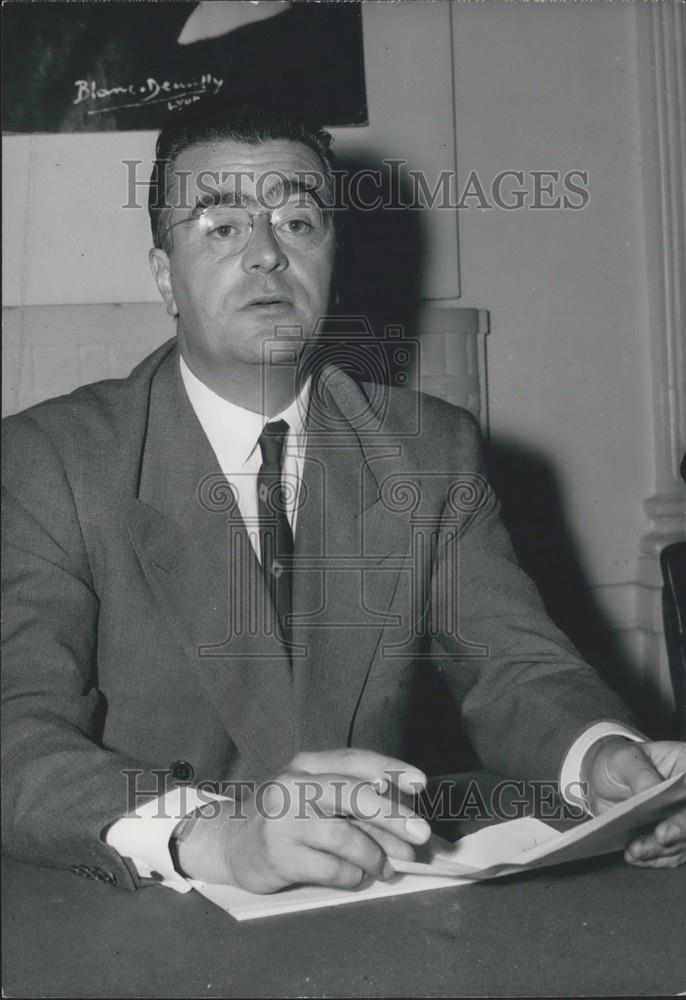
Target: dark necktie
(276, 537)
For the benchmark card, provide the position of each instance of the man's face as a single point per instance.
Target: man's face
(229, 305)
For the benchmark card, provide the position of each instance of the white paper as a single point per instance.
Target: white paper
(248, 905)
(527, 843)
(503, 849)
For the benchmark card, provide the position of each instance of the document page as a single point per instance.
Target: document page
(504, 849)
(527, 843)
(248, 905)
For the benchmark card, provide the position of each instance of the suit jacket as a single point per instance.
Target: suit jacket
(139, 636)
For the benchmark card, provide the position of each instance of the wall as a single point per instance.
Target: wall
(568, 355)
(555, 87)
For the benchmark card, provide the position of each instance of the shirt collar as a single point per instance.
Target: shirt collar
(234, 431)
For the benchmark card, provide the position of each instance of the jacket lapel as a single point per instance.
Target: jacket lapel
(345, 580)
(196, 554)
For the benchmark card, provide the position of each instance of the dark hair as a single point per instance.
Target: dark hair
(215, 119)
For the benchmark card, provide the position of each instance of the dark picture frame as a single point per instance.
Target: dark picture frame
(92, 67)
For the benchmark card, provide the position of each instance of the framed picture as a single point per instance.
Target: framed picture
(96, 67)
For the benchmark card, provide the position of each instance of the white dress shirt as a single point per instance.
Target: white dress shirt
(234, 433)
(143, 835)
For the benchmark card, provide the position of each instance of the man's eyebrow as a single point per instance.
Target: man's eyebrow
(288, 186)
(210, 199)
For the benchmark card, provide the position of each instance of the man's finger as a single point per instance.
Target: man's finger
(662, 861)
(392, 846)
(329, 795)
(345, 841)
(668, 756)
(638, 771)
(365, 765)
(646, 848)
(313, 867)
(666, 840)
(618, 770)
(672, 830)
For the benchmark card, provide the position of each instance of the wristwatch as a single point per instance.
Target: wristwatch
(183, 830)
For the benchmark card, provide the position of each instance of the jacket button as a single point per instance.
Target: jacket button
(102, 876)
(181, 770)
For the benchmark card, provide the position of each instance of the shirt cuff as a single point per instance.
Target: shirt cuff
(570, 775)
(143, 835)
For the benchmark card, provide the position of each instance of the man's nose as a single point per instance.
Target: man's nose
(263, 252)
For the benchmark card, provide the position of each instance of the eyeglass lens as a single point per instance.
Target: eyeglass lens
(226, 230)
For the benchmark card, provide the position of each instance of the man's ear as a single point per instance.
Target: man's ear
(161, 272)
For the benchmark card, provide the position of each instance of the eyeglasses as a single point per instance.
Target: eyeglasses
(225, 231)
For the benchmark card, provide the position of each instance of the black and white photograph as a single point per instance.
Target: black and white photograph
(344, 498)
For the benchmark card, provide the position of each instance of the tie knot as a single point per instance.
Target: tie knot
(272, 441)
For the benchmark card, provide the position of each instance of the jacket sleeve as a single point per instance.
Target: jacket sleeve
(529, 695)
(61, 789)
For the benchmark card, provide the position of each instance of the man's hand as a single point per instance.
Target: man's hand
(326, 820)
(617, 768)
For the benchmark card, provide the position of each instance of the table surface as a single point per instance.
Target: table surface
(593, 928)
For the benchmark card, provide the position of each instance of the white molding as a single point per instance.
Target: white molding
(453, 356)
(634, 609)
(660, 40)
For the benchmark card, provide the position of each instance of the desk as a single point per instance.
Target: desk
(598, 927)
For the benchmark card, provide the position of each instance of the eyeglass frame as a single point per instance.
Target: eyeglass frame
(200, 210)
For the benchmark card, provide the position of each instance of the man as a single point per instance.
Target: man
(235, 569)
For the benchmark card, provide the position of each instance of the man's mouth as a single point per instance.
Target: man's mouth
(267, 302)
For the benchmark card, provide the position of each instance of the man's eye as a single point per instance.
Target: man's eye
(224, 231)
(298, 227)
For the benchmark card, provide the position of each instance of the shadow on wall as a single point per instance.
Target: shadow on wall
(534, 513)
(380, 259)
(379, 271)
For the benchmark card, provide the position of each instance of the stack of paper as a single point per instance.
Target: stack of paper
(526, 843)
(504, 849)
